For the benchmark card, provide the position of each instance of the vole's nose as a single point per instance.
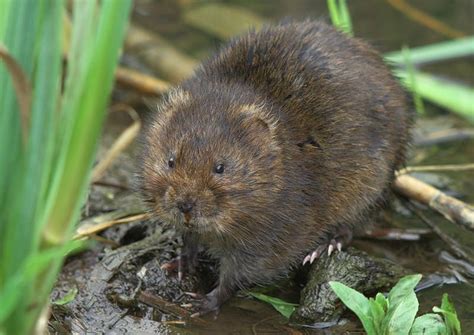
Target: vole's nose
(185, 206)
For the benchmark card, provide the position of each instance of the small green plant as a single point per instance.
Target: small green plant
(395, 314)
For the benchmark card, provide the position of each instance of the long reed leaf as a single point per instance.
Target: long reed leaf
(461, 47)
(450, 95)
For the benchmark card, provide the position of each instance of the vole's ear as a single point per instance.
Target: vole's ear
(258, 117)
(162, 109)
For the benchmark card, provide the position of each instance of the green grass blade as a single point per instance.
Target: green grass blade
(436, 52)
(419, 106)
(345, 17)
(4, 10)
(26, 175)
(447, 94)
(44, 179)
(340, 16)
(334, 13)
(88, 111)
(20, 33)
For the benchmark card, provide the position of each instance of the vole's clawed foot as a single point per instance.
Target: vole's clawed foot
(184, 263)
(205, 304)
(336, 243)
(187, 260)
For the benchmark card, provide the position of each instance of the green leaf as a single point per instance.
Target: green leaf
(460, 47)
(357, 303)
(68, 297)
(334, 13)
(378, 314)
(285, 308)
(340, 16)
(11, 293)
(428, 324)
(382, 301)
(404, 287)
(453, 96)
(450, 316)
(402, 306)
(400, 316)
(419, 106)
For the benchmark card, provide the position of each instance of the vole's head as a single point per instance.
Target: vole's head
(209, 162)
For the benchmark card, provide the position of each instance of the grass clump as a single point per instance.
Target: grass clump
(49, 125)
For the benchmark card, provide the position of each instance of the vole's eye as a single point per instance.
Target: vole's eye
(219, 168)
(171, 163)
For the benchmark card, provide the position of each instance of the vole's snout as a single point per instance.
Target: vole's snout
(185, 206)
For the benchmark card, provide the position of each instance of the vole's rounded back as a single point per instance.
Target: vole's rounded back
(283, 137)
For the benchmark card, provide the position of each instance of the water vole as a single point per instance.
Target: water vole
(277, 142)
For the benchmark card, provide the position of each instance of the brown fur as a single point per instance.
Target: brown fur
(310, 125)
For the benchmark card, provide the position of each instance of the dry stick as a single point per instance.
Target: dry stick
(452, 209)
(452, 243)
(425, 19)
(444, 136)
(450, 167)
(110, 184)
(104, 225)
(158, 54)
(104, 240)
(22, 88)
(122, 142)
(141, 82)
(395, 234)
(169, 307)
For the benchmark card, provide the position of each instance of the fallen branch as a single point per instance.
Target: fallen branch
(395, 234)
(450, 167)
(88, 229)
(122, 142)
(450, 242)
(451, 208)
(140, 82)
(424, 19)
(445, 136)
(160, 55)
(169, 308)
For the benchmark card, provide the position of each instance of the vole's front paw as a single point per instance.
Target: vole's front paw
(184, 263)
(340, 240)
(205, 304)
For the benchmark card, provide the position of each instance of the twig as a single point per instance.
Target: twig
(451, 208)
(141, 82)
(103, 240)
(160, 55)
(425, 19)
(22, 89)
(89, 230)
(450, 242)
(168, 307)
(444, 136)
(110, 184)
(450, 167)
(396, 234)
(122, 142)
